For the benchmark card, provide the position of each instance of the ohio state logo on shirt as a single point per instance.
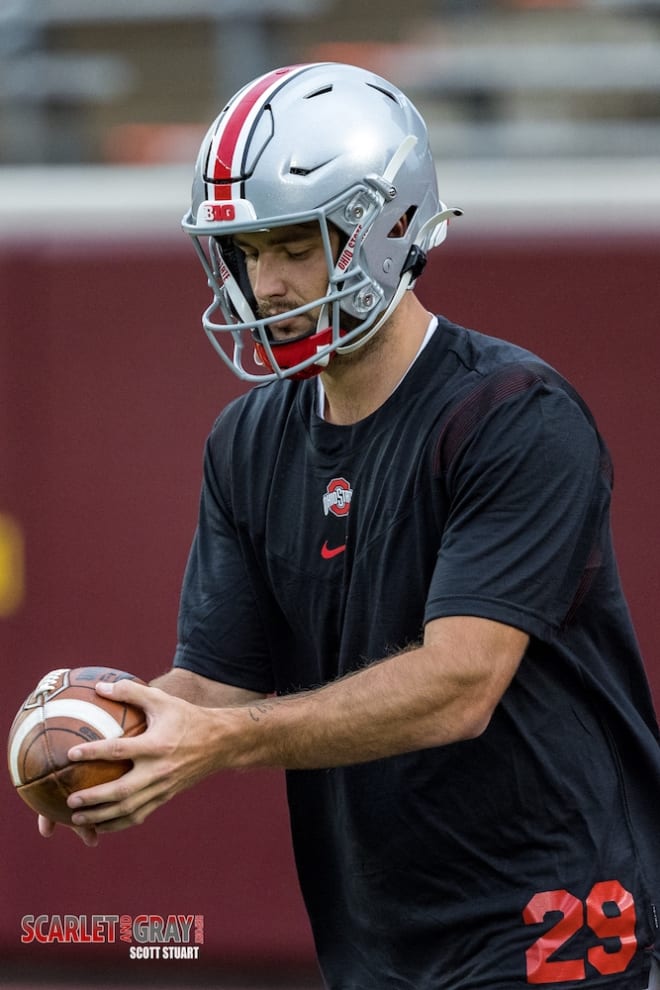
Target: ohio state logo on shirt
(337, 497)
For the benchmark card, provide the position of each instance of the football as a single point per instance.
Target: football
(63, 710)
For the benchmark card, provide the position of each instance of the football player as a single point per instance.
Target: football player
(402, 588)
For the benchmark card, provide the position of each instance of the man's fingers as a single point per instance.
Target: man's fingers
(112, 816)
(128, 821)
(122, 748)
(130, 691)
(88, 834)
(46, 827)
(114, 792)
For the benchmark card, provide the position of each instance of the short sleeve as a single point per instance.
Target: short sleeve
(220, 631)
(527, 488)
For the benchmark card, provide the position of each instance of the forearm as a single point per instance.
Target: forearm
(429, 696)
(444, 691)
(202, 691)
(368, 715)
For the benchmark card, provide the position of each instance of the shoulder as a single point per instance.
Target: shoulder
(503, 390)
(255, 414)
(479, 353)
(492, 369)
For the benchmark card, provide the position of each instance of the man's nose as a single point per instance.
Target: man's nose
(268, 280)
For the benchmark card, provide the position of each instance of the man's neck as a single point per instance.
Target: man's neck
(357, 384)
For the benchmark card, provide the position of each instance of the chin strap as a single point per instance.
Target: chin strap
(294, 352)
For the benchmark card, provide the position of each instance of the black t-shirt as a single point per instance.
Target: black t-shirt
(527, 856)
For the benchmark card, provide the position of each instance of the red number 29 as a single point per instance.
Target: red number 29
(610, 914)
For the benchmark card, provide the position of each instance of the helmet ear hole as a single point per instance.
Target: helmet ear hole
(401, 226)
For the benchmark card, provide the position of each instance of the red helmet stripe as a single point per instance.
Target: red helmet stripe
(227, 145)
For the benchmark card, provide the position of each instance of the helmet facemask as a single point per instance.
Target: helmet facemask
(234, 308)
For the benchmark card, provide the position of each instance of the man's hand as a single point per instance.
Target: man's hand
(168, 757)
(164, 757)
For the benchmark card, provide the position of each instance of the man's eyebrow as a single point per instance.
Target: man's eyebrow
(287, 235)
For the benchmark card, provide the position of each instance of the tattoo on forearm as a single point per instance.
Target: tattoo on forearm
(258, 711)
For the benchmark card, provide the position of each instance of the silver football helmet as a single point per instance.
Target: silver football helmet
(328, 143)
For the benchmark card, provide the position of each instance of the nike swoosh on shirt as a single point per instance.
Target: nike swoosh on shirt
(329, 552)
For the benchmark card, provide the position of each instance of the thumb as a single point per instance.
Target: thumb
(133, 691)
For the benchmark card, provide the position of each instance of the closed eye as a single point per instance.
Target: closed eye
(298, 254)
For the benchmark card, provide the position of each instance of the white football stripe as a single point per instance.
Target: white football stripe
(84, 711)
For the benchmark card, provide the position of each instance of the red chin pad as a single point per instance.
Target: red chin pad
(293, 352)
